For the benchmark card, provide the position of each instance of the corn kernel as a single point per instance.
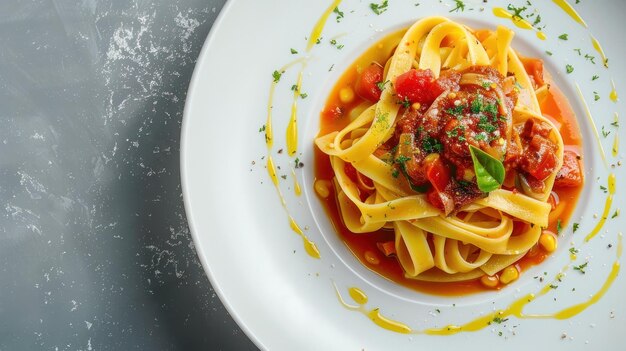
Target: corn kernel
(509, 274)
(451, 96)
(547, 240)
(346, 95)
(322, 188)
(416, 106)
(490, 281)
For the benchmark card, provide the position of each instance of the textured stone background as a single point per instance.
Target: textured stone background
(95, 252)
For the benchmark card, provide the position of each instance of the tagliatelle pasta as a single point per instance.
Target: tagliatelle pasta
(447, 147)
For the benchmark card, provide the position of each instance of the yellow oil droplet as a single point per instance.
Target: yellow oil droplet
(358, 296)
(598, 47)
(612, 183)
(316, 33)
(309, 246)
(607, 209)
(565, 6)
(613, 95)
(541, 35)
(292, 127)
(387, 323)
(296, 186)
(502, 13)
(271, 170)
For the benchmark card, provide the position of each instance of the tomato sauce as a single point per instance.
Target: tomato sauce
(336, 115)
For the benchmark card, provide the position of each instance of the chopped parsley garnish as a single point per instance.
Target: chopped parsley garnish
(477, 104)
(575, 227)
(333, 42)
(395, 173)
(262, 129)
(294, 87)
(569, 68)
(499, 320)
(401, 159)
(486, 84)
(460, 6)
(517, 11)
(552, 286)
(581, 268)
(615, 123)
(480, 137)
(294, 51)
(559, 228)
(303, 95)
(484, 124)
(596, 97)
(549, 53)
(578, 51)
(432, 145)
(276, 75)
(615, 214)
(603, 188)
(492, 109)
(338, 13)
(381, 85)
(298, 164)
(590, 58)
(537, 20)
(605, 133)
(563, 36)
(457, 110)
(573, 250)
(594, 77)
(405, 103)
(379, 8)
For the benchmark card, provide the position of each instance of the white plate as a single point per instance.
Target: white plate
(286, 300)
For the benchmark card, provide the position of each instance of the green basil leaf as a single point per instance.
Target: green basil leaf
(489, 170)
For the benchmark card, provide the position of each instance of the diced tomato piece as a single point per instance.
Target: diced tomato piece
(540, 159)
(438, 174)
(366, 85)
(350, 172)
(570, 175)
(417, 86)
(440, 200)
(534, 68)
(388, 248)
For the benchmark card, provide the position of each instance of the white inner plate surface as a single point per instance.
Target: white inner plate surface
(286, 300)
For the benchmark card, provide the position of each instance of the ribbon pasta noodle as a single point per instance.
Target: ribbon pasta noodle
(446, 99)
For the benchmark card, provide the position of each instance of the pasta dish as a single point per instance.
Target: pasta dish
(445, 156)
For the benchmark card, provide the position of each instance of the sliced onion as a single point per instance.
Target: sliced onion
(521, 183)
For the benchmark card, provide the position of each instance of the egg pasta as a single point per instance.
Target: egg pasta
(452, 154)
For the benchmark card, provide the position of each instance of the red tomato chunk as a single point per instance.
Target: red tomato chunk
(366, 85)
(570, 175)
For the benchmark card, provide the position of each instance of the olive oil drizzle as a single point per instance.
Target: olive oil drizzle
(515, 309)
(613, 95)
(593, 125)
(316, 33)
(607, 208)
(309, 246)
(598, 47)
(517, 21)
(565, 6)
